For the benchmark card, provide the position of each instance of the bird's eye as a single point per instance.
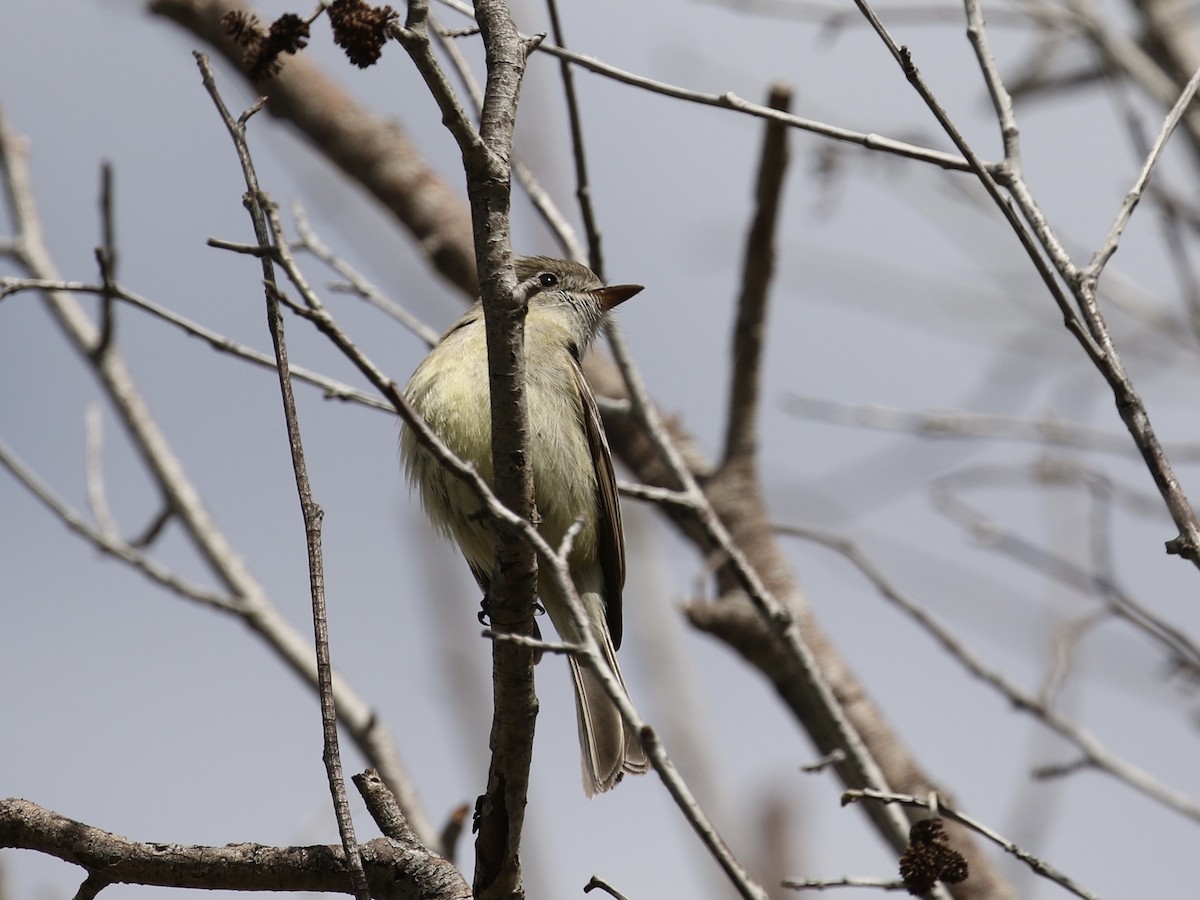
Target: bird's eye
(548, 279)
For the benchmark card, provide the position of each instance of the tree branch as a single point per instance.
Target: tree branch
(758, 266)
(369, 149)
(256, 203)
(394, 871)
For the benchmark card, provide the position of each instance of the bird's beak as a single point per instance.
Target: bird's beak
(615, 294)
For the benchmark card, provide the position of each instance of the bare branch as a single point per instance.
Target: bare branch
(1088, 325)
(395, 871)
(938, 807)
(370, 149)
(311, 241)
(1109, 247)
(731, 101)
(311, 512)
(332, 389)
(598, 883)
(858, 881)
(93, 458)
(106, 258)
(967, 425)
(109, 542)
(758, 267)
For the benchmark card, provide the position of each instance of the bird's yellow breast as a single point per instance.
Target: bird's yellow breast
(450, 391)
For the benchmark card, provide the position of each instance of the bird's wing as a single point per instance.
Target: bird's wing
(609, 532)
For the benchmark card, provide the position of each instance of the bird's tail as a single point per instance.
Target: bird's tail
(610, 748)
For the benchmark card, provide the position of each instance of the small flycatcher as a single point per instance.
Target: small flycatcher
(572, 476)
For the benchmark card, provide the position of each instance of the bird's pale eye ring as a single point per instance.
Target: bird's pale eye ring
(548, 279)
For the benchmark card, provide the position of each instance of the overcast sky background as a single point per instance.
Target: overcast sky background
(162, 721)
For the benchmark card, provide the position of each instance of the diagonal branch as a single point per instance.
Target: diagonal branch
(758, 266)
(937, 807)
(486, 155)
(369, 149)
(1109, 247)
(1085, 321)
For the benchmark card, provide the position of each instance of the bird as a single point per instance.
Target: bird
(573, 478)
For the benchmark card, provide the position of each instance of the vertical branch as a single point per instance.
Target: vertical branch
(559, 227)
(489, 187)
(311, 512)
(486, 155)
(758, 266)
(106, 257)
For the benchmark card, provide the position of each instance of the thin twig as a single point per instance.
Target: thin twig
(598, 883)
(311, 512)
(825, 884)
(778, 619)
(106, 258)
(93, 460)
(311, 241)
(731, 101)
(110, 542)
(1109, 246)
(583, 188)
(663, 496)
(964, 424)
(940, 807)
(330, 387)
(542, 202)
